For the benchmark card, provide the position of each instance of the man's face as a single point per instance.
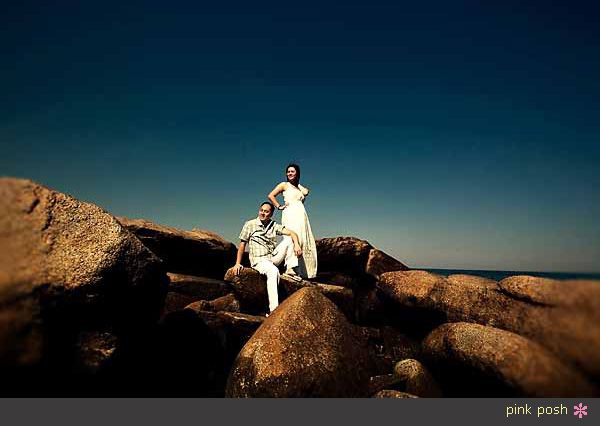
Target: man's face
(265, 212)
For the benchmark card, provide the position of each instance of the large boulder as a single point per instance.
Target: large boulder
(349, 255)
(67, 266)
(417, 379)
(250, 288)
(479, 360)
(186, 289)
(306, 348)
(564, 316)
(197, 252)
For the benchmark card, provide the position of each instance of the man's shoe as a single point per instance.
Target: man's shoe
(292, 277)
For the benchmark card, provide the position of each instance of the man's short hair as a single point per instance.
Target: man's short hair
(270, 204)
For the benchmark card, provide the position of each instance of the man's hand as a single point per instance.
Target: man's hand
(297, 250)
(237, 269)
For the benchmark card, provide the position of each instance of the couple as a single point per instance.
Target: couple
(297, 248)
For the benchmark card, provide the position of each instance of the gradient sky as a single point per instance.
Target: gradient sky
(449, 134)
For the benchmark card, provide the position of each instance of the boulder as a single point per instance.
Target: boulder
(352, 256)
(67, 266)
(186, 289)
(387, 346)
(484, 361)
(417, 380)
(393, 394)
(197, 252)
(233, 329)
(385, 381)
(564, 316)
(198, 288)
(250, 288)
(226, 303)
(306, 348)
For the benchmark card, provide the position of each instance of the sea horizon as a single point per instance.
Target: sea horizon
(499, 275)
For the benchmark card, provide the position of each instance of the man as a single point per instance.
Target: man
(261, 236)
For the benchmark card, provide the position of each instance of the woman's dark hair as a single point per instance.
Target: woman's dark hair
(295, 166)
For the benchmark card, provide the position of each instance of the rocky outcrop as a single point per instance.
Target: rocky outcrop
(226, 303)
(306, 348)
(477, 360)
(197, 252)
(250, 289)
(67, 266)
(349, 255)
(393, 394)
(416, 379)
(563, 316)
(186, 289)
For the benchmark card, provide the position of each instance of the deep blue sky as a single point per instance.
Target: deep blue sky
(449, 134)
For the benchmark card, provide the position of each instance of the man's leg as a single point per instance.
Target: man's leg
(285, 251)
(267, 268)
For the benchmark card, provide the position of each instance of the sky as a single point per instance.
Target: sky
(461, 134)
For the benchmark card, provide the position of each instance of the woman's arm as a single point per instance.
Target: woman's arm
(274, 193)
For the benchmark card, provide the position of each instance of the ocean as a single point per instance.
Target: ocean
(500, 275)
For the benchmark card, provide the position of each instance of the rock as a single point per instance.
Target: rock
(385, 381)
(338, 278)
(250, 288)
(200, 288)
(233, 330)
(226, 303)
(417, 379)
(343, 254)
(306, 348)
(388, 346)
(197, 252)
(95, 351)
(67, 266)
(393, 394)
(349, 255)
(479, 361)
(379, 262)
(186, 289)
(564, 316)
(186, 359)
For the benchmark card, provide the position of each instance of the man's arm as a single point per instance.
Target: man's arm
(238, 260)
(297, 248)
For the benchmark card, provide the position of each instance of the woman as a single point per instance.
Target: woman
(294, 217)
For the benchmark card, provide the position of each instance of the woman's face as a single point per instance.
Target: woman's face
(291, 173)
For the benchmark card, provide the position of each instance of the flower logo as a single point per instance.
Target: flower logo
(580, 410)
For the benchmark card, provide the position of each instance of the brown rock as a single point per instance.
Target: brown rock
(387, 346)
(306, 348)
(226, 303)
(393, 394)
(63, 259)
(508, 364)
(378, 262)
(343, 254)
(564, 316)
(186, 289)
(417, 379)
(197, 252)
(355, 257)
(250, 289)
(385, 381)
(200, 288)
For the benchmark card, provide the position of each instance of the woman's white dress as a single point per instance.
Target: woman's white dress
(294, 217)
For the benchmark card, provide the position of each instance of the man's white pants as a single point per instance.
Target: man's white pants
(268, 267)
